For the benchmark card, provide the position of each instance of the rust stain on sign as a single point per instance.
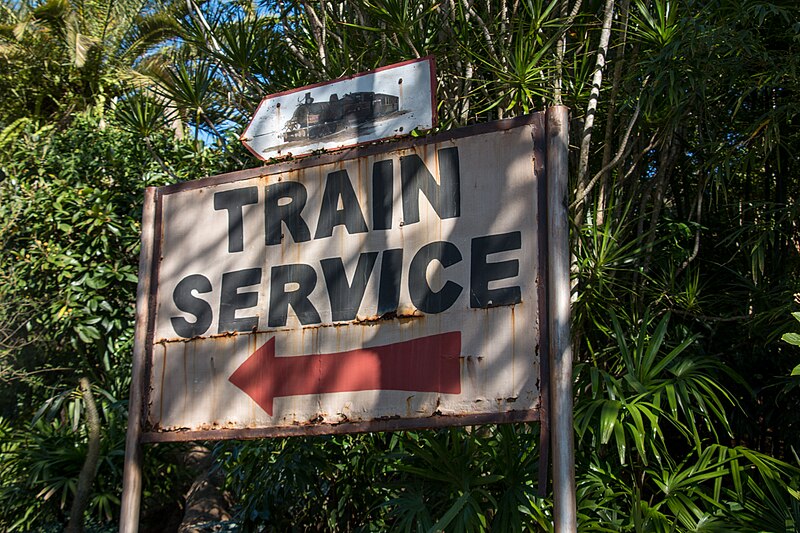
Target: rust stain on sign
(320, 294)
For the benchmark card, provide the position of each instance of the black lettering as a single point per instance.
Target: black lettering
(288, 213)
(422, 296)
(231, 300)
(382, 194)
(483, 272)
(187, 302)
(233, 201)
(346, 297)
(338, 186)
(444, 197)
(391, 274)
(280, 299)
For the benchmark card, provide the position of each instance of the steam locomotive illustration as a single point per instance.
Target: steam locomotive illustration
(312, 120)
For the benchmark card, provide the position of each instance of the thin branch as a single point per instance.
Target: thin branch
(487, 35)
(209, 34)
(408, 41)
(331, 34)
(222, 138)
(640, 155)
(613, 163)
(561, 47)
(299, 55)
(574, 13)
(503, 17)
(708, 318)
(619, 59)
(698, 214)
(665, 166)
(467, 88)
(160, 161)
(318, 28)
(288, 32)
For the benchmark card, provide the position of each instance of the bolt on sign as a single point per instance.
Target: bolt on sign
(387, 102)
(378, 289)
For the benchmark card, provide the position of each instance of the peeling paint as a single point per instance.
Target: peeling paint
(190, 390)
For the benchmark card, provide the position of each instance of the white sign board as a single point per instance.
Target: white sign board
(388, 102)
(374, 290)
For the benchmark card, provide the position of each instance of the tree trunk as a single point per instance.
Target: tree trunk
(602, 194)
(591, 108)
(87, 475)
(205, 502)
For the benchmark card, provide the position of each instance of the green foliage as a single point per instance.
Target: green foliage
(40, 462)
(141, 115)
(71, 209)
(328, 481)
(606, 260)
(648, 400)
(644, 388)
(650, 458)
(43, 470)
(456, 480)
(686, 251)
(792, 338)
(450, 480)
(73, 244)
(59, 57)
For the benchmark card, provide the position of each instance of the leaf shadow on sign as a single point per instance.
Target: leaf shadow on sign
(499, 368)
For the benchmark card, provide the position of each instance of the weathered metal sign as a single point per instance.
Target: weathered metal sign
(371, 290)
(387, 102)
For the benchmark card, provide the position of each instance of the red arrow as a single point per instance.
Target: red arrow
(427, 364)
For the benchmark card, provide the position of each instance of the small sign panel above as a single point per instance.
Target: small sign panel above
(388, 102)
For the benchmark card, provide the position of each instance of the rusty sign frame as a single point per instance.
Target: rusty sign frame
(151, 254)
(554, 412)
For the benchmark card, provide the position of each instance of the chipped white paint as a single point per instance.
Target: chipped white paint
(499, 371)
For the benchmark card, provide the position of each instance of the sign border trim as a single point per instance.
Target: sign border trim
(540, 413)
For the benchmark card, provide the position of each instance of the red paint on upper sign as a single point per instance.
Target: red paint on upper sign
(427, 364)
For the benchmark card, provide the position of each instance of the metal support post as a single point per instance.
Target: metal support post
(560, 353)
(132, 473)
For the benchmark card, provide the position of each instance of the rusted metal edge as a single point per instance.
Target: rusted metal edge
(368, 321)
(355, 153)
(392, 424)
(540, 172)
(157, 236)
